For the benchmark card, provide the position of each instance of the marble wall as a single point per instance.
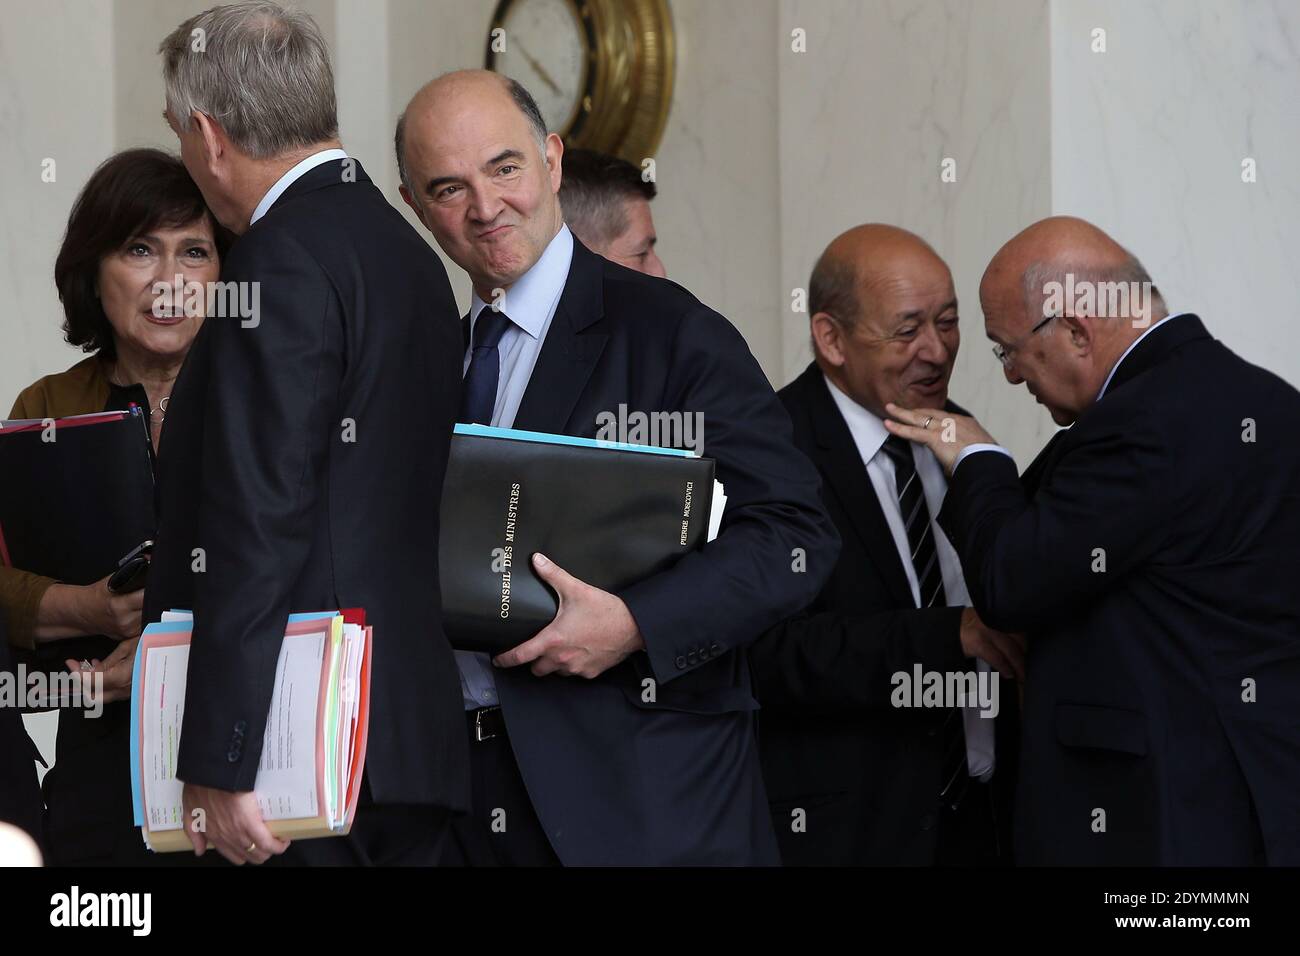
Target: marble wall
(1149, 139)
(47, 113)
(883, 95)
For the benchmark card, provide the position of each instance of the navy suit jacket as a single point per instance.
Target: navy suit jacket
(618, 775)
(305, 456)
(1150, 558)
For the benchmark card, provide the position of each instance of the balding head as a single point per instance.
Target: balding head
(481, 173)
(884, 318)
(1063, 301)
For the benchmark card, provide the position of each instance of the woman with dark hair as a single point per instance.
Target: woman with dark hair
(140, 220)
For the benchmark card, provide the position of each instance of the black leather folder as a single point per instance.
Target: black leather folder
(607, 515)
(70, 508)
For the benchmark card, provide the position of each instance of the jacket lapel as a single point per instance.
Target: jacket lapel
(1033, 477)
(846, 473)
(573, 346)
(1155, 347)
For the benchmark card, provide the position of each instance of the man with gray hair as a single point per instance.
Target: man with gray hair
(606, 202)
(1149, 557)
(306, 444)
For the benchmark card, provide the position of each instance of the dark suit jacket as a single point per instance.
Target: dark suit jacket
(865, 773)
(305, 456)
(1161, 691)
(616, 778)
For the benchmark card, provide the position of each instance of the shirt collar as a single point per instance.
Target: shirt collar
(867, 429)
(288, 179)
(532, 298)
(1132, 345)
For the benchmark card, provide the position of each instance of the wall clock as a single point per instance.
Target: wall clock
(600, 70)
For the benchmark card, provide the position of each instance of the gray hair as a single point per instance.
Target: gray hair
(258, 69)
(522, 99)
(833, 289)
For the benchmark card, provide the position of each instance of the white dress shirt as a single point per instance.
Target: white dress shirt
(869, 436)
(287, 180)
(530, 305)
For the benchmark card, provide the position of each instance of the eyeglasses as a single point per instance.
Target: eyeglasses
(1006, 353)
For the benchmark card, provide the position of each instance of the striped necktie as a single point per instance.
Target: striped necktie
(929, 577)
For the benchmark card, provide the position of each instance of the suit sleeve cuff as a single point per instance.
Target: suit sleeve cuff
(977, 447)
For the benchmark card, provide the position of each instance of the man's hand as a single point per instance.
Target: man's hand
(231, 822)
(116, 668)
(593, 630)
(944, 433)
(1004, 652)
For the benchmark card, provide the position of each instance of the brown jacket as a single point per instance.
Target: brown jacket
(78, 391)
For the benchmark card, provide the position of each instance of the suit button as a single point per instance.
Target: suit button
(692, 658)
(680, 662)
(233, 756)
(927, 822)
(714, 649)
(241, 726)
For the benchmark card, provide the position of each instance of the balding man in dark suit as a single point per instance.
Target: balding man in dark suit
(1149, 557)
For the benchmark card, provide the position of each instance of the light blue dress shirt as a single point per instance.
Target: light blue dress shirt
(530, 305)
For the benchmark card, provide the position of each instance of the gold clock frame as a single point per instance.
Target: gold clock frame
(627, 78)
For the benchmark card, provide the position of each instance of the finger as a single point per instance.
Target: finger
(1014, 654)
(545, 665)
(1008, 654)
(231, 856)
(913, 433)
(197, 840)
(554, 575)
(913, 416)
(134, 600)
(267, 842)
(529, 650)
(258, 856)
(992, 655)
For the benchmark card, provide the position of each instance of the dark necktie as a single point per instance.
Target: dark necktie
(925, 560)
(478, 395)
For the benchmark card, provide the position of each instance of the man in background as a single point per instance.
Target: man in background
(856, 774)
(606, 202)
(1148, 555)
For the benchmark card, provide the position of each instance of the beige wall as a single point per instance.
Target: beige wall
(886, 92)
(55, 113)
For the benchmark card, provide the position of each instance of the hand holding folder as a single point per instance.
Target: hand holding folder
(607, 513)
(309, 778)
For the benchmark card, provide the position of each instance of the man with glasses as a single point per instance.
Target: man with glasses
(1148, 555)
(856, 772)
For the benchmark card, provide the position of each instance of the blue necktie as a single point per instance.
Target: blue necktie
(478, 394)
